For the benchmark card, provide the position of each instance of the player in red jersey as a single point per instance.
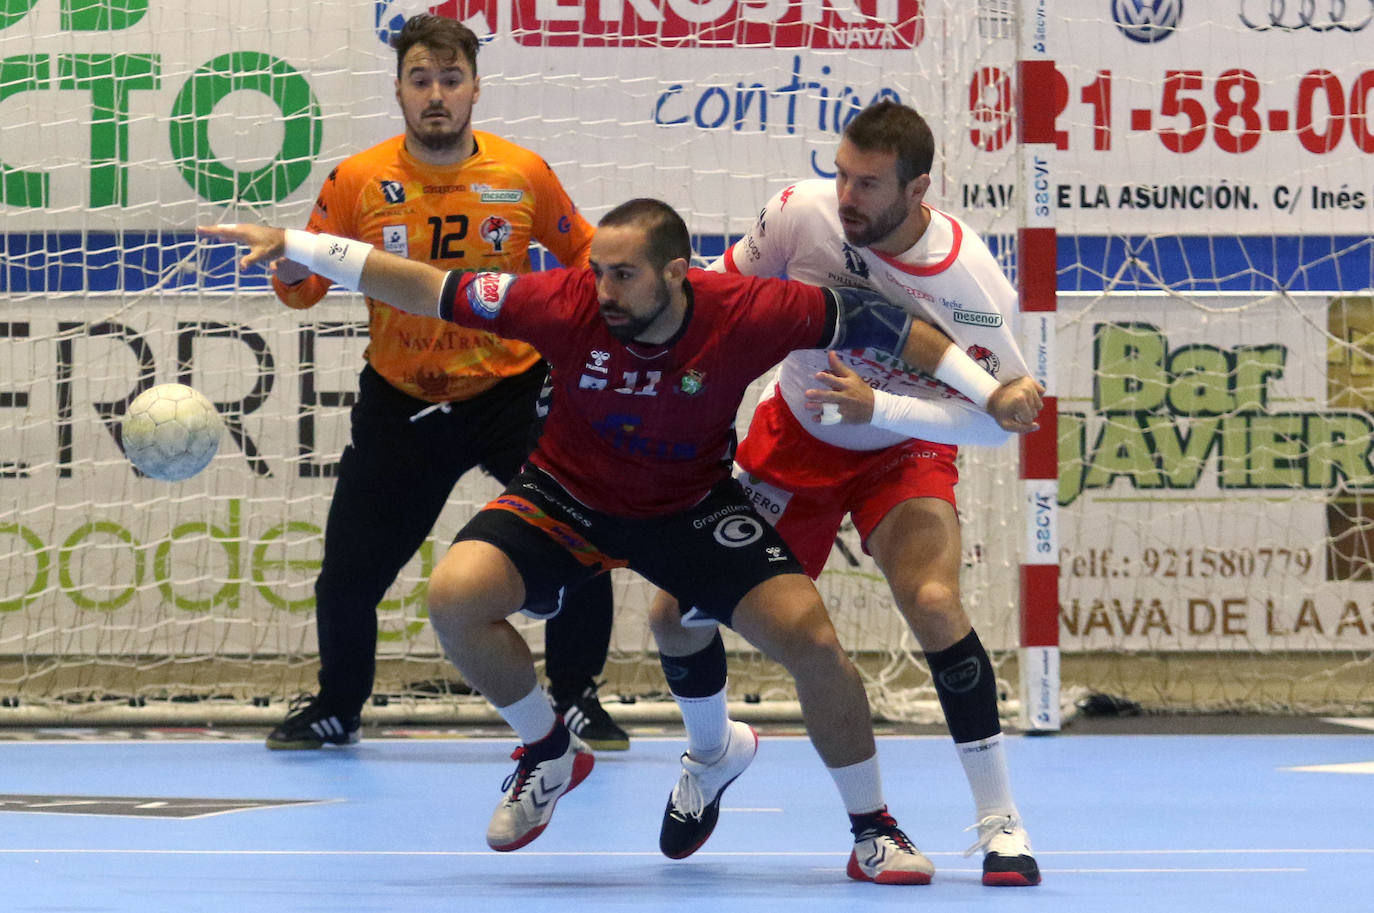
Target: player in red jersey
(650, 362)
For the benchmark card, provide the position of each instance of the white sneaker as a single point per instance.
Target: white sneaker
(885, 855)
(531, 793)
(1007, 859)
(694, 804)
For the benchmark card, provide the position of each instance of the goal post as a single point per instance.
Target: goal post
(1204, 317)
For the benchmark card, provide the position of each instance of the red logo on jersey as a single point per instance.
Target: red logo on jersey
(726, 24)
(487, 292)
(986, 358)
(494, 230)
(785, 196)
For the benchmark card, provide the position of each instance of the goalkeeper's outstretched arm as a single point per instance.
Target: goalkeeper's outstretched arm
(404, 284)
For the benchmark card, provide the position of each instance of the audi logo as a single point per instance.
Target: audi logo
(1342, 15)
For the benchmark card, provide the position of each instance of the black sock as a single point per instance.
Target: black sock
(967, 688)
(700, 675)
(550, 746)
(860, 823)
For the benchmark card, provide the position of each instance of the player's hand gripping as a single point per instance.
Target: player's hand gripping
(264, 243)
(848, 398)
(1015, 405)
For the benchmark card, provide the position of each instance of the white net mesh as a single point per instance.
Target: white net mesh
(127, 123)
(1214, 191)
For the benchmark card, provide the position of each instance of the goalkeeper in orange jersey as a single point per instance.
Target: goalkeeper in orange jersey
(436, 400)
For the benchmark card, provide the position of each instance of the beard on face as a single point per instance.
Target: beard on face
(877, 227)
(445, 141)
(626, 332)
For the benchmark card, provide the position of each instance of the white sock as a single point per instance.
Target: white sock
(860, 785)
(531, 717)
(708, 725)
(985, 765)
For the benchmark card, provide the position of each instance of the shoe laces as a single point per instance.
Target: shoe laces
(520, 777)
(989, 827)
(688, 799)
(884, 826)
(301, 704)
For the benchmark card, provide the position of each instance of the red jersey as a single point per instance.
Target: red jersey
(636, 430)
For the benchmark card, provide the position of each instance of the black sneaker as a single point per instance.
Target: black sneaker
(1007, 859)
(590, 722)
(694, 804)
(309, 725)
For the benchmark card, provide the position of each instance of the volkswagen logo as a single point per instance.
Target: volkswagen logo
(1317, 15)
(1147, 21)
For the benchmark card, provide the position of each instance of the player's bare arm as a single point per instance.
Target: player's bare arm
(405, 284)
(1016, 403)
(844, 396)
(848, 396)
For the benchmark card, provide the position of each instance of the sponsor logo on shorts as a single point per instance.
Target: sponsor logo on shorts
(769, 500)
(738, 530)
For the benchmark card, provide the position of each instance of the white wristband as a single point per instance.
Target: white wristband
(338, 259)
(966, 375)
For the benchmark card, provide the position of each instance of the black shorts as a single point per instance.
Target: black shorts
(708, 556)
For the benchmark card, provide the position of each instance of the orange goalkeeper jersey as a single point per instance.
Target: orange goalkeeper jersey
(481, 213)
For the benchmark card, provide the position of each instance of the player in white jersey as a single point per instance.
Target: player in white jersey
(880, 463)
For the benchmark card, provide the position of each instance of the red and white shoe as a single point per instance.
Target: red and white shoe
(532, 791)
(885, 855)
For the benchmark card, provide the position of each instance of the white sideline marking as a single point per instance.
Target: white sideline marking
(1355, 767)
(1355, 722)
(124, 851)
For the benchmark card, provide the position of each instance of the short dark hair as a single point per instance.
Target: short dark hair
(446, 36)
(667, 238)
(889, 126)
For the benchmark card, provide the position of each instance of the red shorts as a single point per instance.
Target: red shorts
(804, 486)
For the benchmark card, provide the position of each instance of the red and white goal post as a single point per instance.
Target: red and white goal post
(1201, 321)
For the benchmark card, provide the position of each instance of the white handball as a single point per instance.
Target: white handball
(171, 432)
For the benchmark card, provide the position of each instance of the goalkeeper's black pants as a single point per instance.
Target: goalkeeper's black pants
(393, 481)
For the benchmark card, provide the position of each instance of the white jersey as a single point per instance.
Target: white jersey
(948, 279)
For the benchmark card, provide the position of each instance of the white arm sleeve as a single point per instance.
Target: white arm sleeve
(965, 375)
(949, 421)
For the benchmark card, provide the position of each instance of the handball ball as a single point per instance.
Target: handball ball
(171, 432)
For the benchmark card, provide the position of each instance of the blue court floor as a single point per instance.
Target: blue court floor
(1120, 823)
